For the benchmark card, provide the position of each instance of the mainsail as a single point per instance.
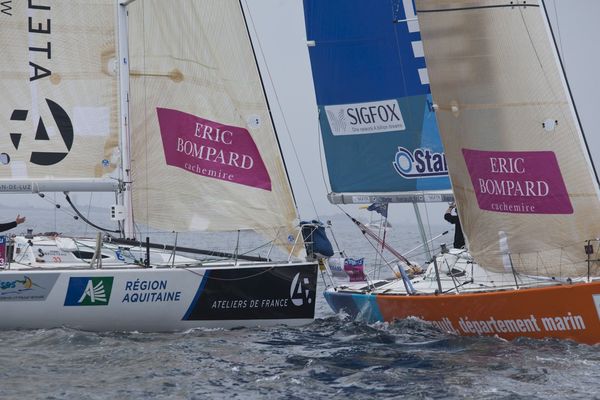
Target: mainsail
(58, 109)
(204, 151)
(378, 127)
(523, 180)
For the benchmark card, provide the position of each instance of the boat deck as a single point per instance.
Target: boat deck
(458, 273)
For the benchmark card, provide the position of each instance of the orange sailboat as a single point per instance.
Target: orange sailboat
(522, 177)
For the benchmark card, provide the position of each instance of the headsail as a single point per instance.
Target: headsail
(522, 177)
(205, 154)
(58, 109)
(378, 128)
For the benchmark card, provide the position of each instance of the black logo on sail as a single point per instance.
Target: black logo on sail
(6, 7)
(65, 128)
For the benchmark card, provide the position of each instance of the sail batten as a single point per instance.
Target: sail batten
(521, 173)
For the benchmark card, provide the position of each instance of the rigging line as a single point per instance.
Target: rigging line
(266, 100)
(367, 232)
(384, 261)
(321, 148)
(580, 134)
(535, 51)
(206, 274)
(89, 211)
(337, 246)
(283, 117)
(569, 94)
(146, 139)
(428, 221)
(84, 218)
(562, 51)
(56, 207)
(545, 74)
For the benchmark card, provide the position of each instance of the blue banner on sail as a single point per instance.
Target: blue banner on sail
(375, 108)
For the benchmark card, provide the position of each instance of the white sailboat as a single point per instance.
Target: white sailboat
(163, 106)
(524, 182)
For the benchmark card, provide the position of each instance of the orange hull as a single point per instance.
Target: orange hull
(562, 311)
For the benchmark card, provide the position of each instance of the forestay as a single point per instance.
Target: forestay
(524, 184)
(58, 109)
(205, 154)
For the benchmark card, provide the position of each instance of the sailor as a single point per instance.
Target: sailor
(10, 225)
(459, 239)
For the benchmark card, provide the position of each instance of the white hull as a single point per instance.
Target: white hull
(159, 299)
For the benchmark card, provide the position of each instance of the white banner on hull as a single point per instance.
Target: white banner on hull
(159, 300)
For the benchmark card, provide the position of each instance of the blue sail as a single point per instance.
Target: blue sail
(375, 110)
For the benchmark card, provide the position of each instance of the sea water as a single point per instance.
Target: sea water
(332, 358)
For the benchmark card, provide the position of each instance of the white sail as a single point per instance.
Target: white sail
(58, 109)
(521, 174)
(205, 155)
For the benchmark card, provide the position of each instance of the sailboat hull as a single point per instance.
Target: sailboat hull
(159, 299)
(562, 311)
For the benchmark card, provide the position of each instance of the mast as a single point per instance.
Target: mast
(124, 197)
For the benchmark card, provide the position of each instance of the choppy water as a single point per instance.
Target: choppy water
(331, 358)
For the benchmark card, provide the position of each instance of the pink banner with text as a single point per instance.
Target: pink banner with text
(211, 149)
(521, 182)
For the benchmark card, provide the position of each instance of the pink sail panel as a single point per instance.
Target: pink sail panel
(211, 149)
(518, 182)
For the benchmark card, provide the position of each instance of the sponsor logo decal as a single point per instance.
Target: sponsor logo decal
(420, 163)
(211, 149)
(18, 287)
(255, 293)
(89, 291)
(365, 118)
(518, 182)
(44, 158)
(119, 255)
(39, 47)
(154, 291)
(491, 326)
(50, 255)
(299, 292)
